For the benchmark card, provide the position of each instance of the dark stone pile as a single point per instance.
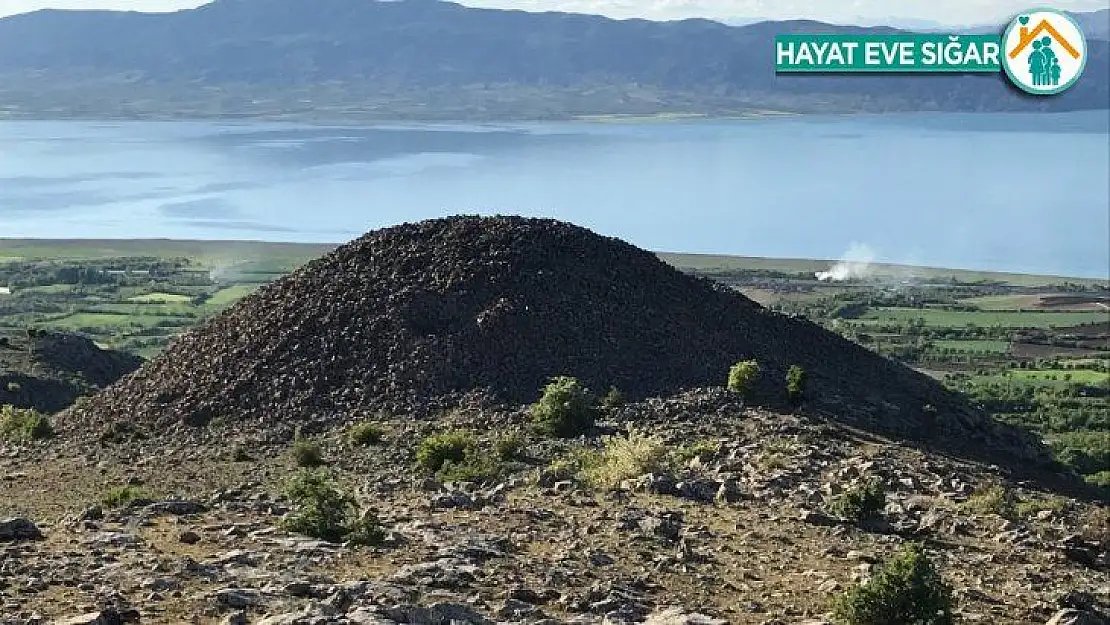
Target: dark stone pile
(411, 318)
(47, 371)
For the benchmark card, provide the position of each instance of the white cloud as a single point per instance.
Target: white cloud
(944, 11)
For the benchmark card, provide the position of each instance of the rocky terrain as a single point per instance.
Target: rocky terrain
(740, 532)
(178, 495)
(48, 371)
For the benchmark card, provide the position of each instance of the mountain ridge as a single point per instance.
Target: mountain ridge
(431, 59)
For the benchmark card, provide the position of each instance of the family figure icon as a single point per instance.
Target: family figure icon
(1044, 67)
(1046, 51)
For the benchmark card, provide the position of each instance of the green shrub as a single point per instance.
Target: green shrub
(474, 467)
(366, 434)
(742, 376)
(24, 425)
(510, 447)
(1102, 478)
(566, 409)
(907, 590)
(993, 500)
(1032, 507)
(613, 399)
(322, 511)
(365, 530)
(702, 449)
(119, 432)
(239, 453)
(307, 453)
(795, 382)
(623, 458)
(439, 449)
(123, 496)
(862, 502)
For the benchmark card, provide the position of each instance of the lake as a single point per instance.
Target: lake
(1024, 193)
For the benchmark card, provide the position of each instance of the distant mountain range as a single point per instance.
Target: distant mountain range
(428, 59)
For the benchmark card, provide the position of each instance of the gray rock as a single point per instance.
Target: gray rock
(18, 529)
(108, 616)
(437, 614)
(728, 492)
(239, 598)
(1070, 616)
(703, 490)
(176, 508)
(677, 616)
(667, 525)
(816, 518)
(366, 616)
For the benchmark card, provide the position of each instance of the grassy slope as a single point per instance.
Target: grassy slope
(265, 258)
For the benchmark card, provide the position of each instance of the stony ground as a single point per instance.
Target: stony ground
(742, 533)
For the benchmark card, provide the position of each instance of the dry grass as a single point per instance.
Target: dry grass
(625, 457)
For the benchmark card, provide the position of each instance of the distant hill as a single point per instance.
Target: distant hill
(432, 59)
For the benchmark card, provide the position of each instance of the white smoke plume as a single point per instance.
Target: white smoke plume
(855, 264)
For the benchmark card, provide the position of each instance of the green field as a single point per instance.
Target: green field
(975, 346)
(1078, 376)
(959, 319)
(160, 298)
(226, 297)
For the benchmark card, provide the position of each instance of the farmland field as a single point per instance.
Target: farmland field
(958, 318)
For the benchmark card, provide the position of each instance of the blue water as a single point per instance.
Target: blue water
(1026, 193)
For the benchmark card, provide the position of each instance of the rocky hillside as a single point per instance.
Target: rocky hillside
(468, 310)
(48, 371)
(711, 513)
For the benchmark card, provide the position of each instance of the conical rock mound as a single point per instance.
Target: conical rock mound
(413, 317)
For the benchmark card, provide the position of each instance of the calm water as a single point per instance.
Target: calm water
(1002, 192)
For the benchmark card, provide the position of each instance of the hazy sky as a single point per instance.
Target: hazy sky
(945, 11)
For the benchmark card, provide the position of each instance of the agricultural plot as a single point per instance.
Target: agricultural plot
(939, 318)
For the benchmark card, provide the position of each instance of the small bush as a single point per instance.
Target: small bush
(623, 458)
(1032, 507)
(366, 434)
(742, 376)
(366, 530)
(907, 590)
(1102, 478)
(613, 399)
(123, 496)
(510, 447)
(24, 425)
(565, 410)
(13, 387)
(993, 500)
(795, 382)
(239, 453)
(474, 467)
(119, 432)
(322, 511)
(862, 502)
(702, 449)
(439, 449)
(307, 453)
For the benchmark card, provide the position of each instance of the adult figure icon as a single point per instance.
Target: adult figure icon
(1049, 58)
(1037, 64)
